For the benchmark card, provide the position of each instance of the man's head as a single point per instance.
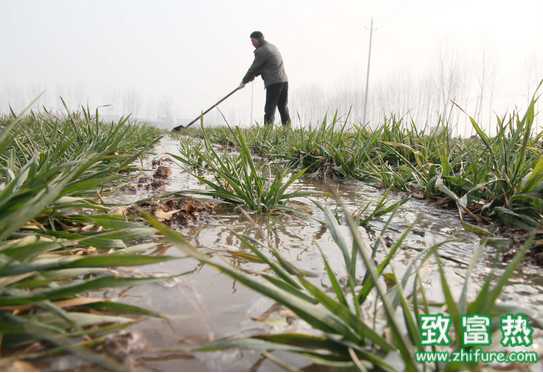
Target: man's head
(257, 39)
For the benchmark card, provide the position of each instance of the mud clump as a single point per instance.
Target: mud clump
(162, 172)
(144, 180)
(178, 211)
(157, 181)
(156, 184)
(517, 238)
(536, 251)
(160, 162)
(124, 347)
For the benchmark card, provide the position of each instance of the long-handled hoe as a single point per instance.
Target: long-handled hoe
(207, 111)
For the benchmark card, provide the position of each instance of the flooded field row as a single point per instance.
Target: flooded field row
(202, 304)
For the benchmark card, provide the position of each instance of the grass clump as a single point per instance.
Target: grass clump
(58, 241)
(239, 179)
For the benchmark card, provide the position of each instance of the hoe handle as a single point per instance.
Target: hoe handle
(207, 111)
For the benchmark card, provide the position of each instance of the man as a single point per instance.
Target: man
(269, 64)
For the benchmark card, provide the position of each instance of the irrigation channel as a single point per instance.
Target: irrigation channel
(204, 304)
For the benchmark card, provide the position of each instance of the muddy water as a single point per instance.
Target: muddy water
(205, 305)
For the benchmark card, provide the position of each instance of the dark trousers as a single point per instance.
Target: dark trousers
(276, 97)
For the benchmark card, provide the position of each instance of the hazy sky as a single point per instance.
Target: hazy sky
(177, 57)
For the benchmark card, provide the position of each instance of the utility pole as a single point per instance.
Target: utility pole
(367, 75)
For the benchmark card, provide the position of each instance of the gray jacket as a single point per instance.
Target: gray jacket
(268, 63)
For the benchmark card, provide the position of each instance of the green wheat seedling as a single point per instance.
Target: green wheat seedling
(239, 180)
(58, 241)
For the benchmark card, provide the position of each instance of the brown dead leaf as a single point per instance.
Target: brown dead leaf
(77, 302)
(19, 366)
(86, 251)
(61, 304)
(162, 215)
(88, 228)
(33, 225)
(120, 211)
(176, 210)
(245, 256)
(276, 307)
(288, 315)
(5, 281)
